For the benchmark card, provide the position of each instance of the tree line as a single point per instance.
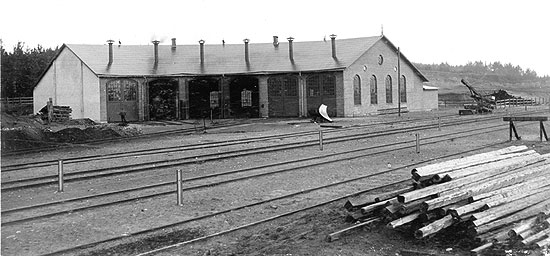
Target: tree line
(22, 67)
(494, 72)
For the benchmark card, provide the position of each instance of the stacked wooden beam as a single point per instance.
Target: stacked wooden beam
(61, 113)
(498, 197)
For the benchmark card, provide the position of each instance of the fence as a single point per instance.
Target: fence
(499, 103)
(16, 101)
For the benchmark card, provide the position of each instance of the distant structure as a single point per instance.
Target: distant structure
(353, 77)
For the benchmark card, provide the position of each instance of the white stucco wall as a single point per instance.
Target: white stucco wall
(431, 99)
(366, 66)
(69, 83)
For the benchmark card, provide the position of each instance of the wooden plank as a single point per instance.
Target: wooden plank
(522, 226)
(532, 183)
(468, 180)
(354, 203)
(506, 161)
(525, 118)
(543, 243)
(515, 203)
(336, 235)
(517, 195)
(526, 188)
(480, 249)
(461, 162)
(471, 207)
(536, 237)
(518, 216)
(376, 206)
(525, 234)
(404, 220)
(412, 206)
(483, 186)
(407, 252)
(434, 227)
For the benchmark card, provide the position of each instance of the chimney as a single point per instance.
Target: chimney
(276, 41)
(201, 42)
(246, 40)
(290, 49)
(333, 41)
(156, 43)
(110, 42)
(173, 44)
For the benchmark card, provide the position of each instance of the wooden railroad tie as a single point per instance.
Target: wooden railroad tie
(540, 119)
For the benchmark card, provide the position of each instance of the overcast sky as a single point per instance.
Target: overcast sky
(427, 31)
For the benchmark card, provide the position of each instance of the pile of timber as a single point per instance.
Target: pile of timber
(499, 198)
(61, 113)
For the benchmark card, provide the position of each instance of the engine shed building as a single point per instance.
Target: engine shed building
(353, 77)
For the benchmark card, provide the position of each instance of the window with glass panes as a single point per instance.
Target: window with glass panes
(403, 89)
(373, 90)
(122, 90)
(357, 90)
(389, 91)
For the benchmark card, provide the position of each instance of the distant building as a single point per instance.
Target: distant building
(353, 77)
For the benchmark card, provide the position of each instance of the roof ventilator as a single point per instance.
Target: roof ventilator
(201, 42)
(333, 41)
(156, 44)
(246, 40)
(290, 49)
(110, 42)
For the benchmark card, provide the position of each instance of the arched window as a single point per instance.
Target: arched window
(122, 90)
(403, 89)
(357, 90)
(373, 90)
(389, 96)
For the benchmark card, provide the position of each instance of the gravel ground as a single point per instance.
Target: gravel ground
(299, 234)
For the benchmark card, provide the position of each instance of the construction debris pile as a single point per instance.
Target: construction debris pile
(61, 113)
(498, 199)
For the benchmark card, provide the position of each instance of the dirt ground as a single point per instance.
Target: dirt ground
(299, 234)
(29, 131)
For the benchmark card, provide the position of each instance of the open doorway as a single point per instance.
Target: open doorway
(204, 98)
(244, 97)
(163, 95)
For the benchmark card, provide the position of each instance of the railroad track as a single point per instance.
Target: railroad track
(81, 249)
(381, 149)
(163, 150)
(167, 188)
(11, 184)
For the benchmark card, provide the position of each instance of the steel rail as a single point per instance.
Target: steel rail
(149, 231)
(20, 166)
(81, 175)
(231, 180)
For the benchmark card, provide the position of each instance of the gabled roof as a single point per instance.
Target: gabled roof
(138, 60)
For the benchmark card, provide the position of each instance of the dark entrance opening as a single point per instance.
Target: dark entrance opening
(163, 94)
(204, 98)
(244, 97)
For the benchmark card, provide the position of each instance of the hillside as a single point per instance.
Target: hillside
(485, 79)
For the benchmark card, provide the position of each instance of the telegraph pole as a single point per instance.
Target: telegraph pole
(398, 82)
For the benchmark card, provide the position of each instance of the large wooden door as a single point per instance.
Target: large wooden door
(122, 97)
(283, 96)
(321, 89)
